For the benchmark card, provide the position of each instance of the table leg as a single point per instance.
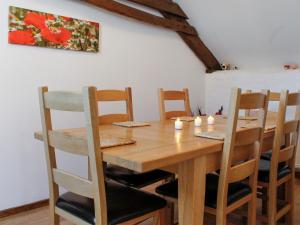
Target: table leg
(191, 199)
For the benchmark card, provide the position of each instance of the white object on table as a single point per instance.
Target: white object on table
(210, 120)
(178, 124)
(198, 121)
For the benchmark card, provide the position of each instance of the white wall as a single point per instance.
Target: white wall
(251, 33)
(132, 54)
(218, 86)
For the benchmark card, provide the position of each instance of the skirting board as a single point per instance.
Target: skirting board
(23, 208)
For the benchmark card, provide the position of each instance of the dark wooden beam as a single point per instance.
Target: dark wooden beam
(197, 46)
(162, 5)
(137, 14)
(173, 18)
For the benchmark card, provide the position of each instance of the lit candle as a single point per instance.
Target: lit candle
(210, 120)
(178, 124)
(198, 121)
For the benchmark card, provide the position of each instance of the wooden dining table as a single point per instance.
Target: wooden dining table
(160, 146)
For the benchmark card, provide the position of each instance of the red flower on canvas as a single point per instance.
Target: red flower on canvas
(60, 37)
(95, 24)
(35, 19)
(50, 17)
(65, 18)
(23, 37)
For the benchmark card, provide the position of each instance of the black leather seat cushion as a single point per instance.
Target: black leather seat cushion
(264, 170)
(135, 179)
(266, 155)
(236, 190)
(123, 204)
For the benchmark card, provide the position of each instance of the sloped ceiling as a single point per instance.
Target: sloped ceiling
(251, 33)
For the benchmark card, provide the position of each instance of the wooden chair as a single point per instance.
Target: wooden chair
(173, 96)
(117, 173)
(94, 200)
(236, 185)
(279, 170)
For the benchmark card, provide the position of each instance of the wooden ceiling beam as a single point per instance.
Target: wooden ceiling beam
(197, 46)
(173, 18)
(162, 5)
(140, 15)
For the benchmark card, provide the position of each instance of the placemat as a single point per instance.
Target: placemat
(184, 118)
(211, 135)
(131, 124)
(108, 141)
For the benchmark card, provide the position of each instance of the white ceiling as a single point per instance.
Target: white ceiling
(248, 33)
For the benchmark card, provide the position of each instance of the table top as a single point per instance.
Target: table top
(160, 145)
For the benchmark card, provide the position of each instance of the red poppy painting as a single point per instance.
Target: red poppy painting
(28, 27)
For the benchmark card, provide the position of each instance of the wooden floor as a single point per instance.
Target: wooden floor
(41, 217)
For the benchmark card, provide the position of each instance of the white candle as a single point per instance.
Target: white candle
(198, 121)
(210, 120)
(178, 124)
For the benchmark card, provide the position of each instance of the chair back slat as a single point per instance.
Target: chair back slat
(73, 183)
(242, 153)
(252, 101)
(290, 126)
(173, 96)
(67, 143)
(111, 95)
(274, 96)
(115, 95)
(247, 136)
(63, 101)
(172, 114)
(112, 118)
(286, 153)
(242, 171)
(293, 99)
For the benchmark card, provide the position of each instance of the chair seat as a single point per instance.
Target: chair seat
(236, 190)
(135, 179)
(123, 204)
(266, 155)
(264, 170)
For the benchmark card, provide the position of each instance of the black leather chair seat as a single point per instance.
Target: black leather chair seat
(236, 190)
(123, 204)
(266, 155)
(264, 170)
(135, 179)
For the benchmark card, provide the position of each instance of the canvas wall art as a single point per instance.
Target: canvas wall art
(28, 27)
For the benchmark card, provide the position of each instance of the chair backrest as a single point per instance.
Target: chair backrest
(286, 132)
(116, 95)
(241, 150)
(173, 96)
(273, 97)
(94, 188)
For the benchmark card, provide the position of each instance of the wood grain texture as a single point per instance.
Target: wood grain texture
(166, 6)
(142, 16)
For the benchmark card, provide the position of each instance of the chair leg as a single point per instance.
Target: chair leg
(252, 211)
(222, 220)
(272, 205)
(290, 199)
(54, 219)
(264, 201)
(162, 216)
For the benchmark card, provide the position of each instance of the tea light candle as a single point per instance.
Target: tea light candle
(210, 120)
(197, 121)
(178, 124)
